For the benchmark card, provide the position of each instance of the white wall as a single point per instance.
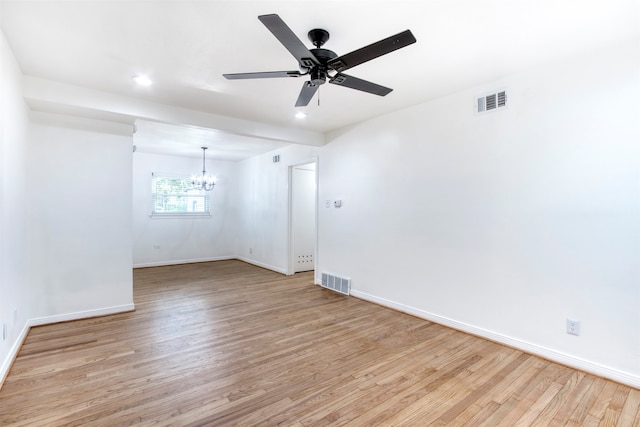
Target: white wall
(80, 217)
(65, 216)
(250, 211)
(504, 224)
(263, 206)
(162, 241)
(14, 289)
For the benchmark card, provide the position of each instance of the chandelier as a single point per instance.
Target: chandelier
(204, 182)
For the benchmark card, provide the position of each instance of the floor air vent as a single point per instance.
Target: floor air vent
(335, 283)
(492, 101)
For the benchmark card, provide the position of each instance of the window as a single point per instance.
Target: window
(173, 196)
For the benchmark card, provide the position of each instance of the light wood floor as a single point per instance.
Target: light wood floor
(227, 343)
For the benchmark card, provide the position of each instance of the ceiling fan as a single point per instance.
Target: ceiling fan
(321, 64)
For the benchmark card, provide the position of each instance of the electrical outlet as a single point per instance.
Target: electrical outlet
(573, 327)
(4, 331)
(250, 251)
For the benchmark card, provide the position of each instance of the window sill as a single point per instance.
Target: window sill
(179, 215)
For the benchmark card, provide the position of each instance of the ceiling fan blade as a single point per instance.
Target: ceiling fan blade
(372, 51)
(283, 33)
(307, 92)
(359, 84)
(262, 75)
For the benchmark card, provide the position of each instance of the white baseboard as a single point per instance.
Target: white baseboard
(263, 265)
(181, 261)
(224, 258)
(80, 315)
(546, 353)
(13, 352)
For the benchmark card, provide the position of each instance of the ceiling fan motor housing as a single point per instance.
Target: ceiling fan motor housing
(319, 72)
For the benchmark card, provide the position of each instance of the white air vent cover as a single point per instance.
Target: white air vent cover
(492, 101)
(338, 284)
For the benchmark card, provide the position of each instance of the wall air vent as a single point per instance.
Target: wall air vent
(335, 283)
(492, 101)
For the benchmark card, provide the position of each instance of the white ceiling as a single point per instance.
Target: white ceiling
(186, 46)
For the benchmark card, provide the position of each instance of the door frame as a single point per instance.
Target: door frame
(290, 254)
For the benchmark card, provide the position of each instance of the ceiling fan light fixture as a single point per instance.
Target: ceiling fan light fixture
(142, 80)
(301, 115)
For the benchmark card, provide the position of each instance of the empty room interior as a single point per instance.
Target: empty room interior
(261, 188)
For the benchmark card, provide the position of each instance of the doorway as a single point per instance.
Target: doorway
(303, 208)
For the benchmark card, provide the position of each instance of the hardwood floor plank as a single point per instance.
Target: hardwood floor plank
(501, 413)
(581, 412)
(228, 343)
(532, 414)
(529, 391)
(486, 412)
(631, 407)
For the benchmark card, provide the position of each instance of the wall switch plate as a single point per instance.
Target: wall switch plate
(573, 327)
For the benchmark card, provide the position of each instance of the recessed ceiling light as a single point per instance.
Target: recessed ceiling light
(142, 80)
(301, 115)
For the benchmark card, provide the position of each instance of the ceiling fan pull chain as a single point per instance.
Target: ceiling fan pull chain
(318, 97)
